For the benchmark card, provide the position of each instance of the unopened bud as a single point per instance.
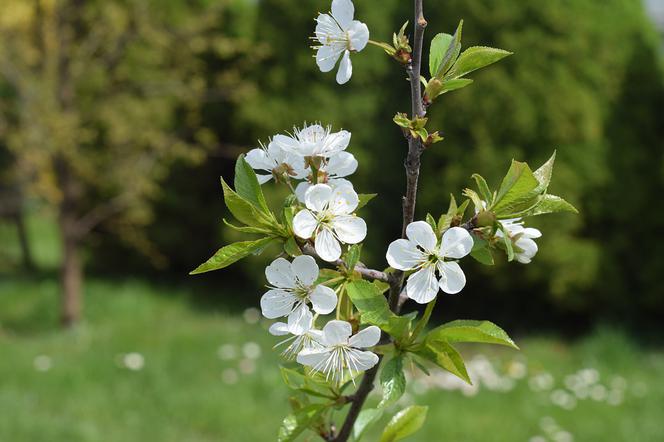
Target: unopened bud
(485, 218)
(402, 56)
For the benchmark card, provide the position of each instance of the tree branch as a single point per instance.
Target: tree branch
(360, 268)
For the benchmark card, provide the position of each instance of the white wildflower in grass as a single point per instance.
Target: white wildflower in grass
(303, 339)
(332, 172)
(523, 237)
(292, 289)
(133, 361)
(338, 35)
(341, 354)
(276, 162)
(314, 141)
(42, 363)
(421, 252)
(329, 219)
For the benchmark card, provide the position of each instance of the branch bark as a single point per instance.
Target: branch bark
(360, 268)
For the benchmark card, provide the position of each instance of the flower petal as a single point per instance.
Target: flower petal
(300, 320)
(421, 233)
(359, 35)
(529, 250)
(341, 165)
(318, 197)
(304, 224)
(359, 360)
(422, 286)
(277, 303)
(336, 332)
(350, 229)
(452, 278)
(327, 30)
(345, 69)
(259, 159)
(289, 144)
(313, 357)
(530, 232)
(365, 338)
(456, 243)
(404, 255)
(327, 57)
(301, 190)
(279, 329)
(262, 179)
(280, 274)
(327, 246)
(343, 12)
(305, 269)
(344, 200)
(335, 143)
(323, 299)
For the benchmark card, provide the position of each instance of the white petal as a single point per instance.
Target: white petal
(300, 320)
(421, 233)
(279, 329)
(279, 274)
(350, 229)
(277, 303)
(327, 246)
(344, 200)
(336, 332)
(365, 338)
(327, 57)
(452, 278)
(422, 286)
(345, 69)
(304, 224)
(313, 357)
(258, 159)
(301, 190)
(341, 165)
(529, 249)
(335, 143)
(343, 12)
(359, 35)
(359, 360)
(318, 197)
(262, 179)
(403, 255)
(305, 269)
(328, 31)
(456, 243)
(287, 143)
(323, 299)
(531, 232)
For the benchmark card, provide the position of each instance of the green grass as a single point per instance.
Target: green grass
(196, 384)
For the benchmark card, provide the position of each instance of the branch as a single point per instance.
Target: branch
(360, 268)
(100, 214)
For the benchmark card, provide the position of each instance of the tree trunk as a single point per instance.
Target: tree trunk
(71, 277)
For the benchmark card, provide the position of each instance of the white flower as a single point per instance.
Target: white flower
(340, 352)
(293, 287)
(523, 237)
(339, 34)
(328, 217)
(303, 339)
(332, 173)
(275, 161)
(314, 141)
(422, 253)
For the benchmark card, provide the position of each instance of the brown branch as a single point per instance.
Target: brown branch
(360, 268)
(99, 214)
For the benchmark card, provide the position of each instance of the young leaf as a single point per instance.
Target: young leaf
(446, 219)
(551, 204)
(294, 424)
(481, 251)
(364, 199)
(477, 200)
(452, 52)
(365, 420)
(507, 242)
(244, 211)
(453, 85)
(516, 191)
(292, 248)
(543, 174)
(372, 305)
(483, 187)
(231, 253)
(393, 381)
(431, 222)
(437, 50)
(353, 256)
(471, 331)
(404, 423)
(445, 356)
(247, 229)
(474, 58)
(247, 185)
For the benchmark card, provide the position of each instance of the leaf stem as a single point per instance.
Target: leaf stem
(425, 319)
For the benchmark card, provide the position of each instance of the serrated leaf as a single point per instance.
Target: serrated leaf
(551, 204)
(483, 187)
(374, 310)
(471, 331)
(393, 381)
(452, 52)
(364, 199)
(445, 356)
(437, 50)
(353, 256)
(544, 172)
(247, 185)
(244, 211)
(365, 420)
(231, 253)
(516, 192)
(292, 248)
(453, 85)
(481, 251)
(431, 221)
(247, 229)
(445, 219)
(404, 423)
(475, 58)
(402, 120)
(294, 424)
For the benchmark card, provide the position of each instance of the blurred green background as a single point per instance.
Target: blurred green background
(117, 118)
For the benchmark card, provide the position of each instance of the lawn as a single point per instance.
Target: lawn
(150, 365)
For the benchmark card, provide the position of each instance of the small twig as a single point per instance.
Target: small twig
(360, 268)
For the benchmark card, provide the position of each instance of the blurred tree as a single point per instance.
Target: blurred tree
(105, 96)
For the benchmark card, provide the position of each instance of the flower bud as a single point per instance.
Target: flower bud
(433, 89)
(485, 218)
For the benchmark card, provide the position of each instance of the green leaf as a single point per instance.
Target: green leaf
(543, 174)
(453, 85)
(477, 200)
(452, 52)
(402, 120)
(231, 253)
(393, 381)
(471, 331)
(446, 219)
(247, 229)
(247, 185)
(481, 251)
(516, 191)
(475, 58)
(431, 221)
(244, 211)
(483, 187)
(353, 256)
(404, 423)
(550, 204)
(437, 50)
(294, 424)
(507, 242)
(364, 199)
(445, 356)
(292, 248)
(365, 420)
(373, 307)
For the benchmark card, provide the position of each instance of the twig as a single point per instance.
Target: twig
(360, 268)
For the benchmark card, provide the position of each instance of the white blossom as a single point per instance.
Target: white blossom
(339, 35)
(329, 219)
(422, 252)
(340, 352)
(314, 140)
(523, 237)
(275, 161)
(331, 172)
(293, 288)
(304, 338)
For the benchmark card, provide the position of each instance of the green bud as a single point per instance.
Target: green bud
(486, 218)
